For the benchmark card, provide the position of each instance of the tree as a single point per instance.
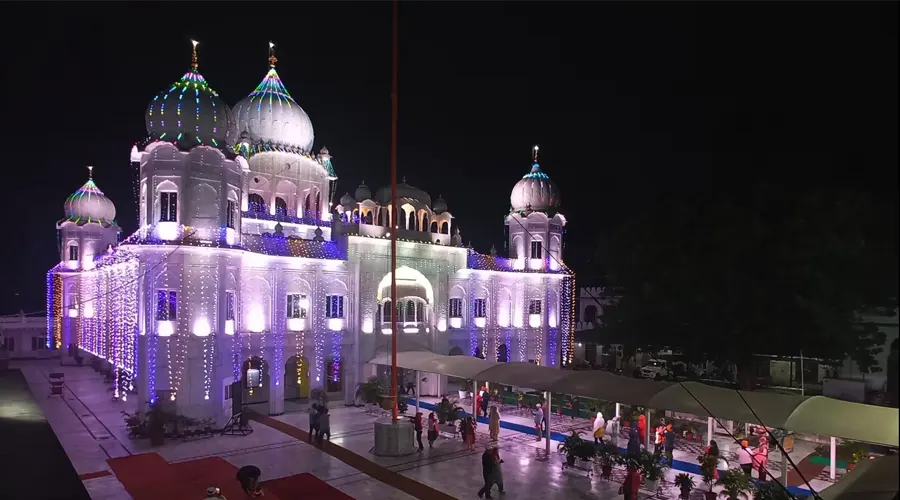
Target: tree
(724, 277)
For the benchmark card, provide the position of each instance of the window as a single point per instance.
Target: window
(38, 343)
(230, 215)
(385, 311)
(73, 252)
(9, 344)
(280, 207)
(534, 307)
(166, 305)
(229, 306)
(334, 306)
(229, 392)
(296, 306)
(480, 308)
(536, 252)
(168, 207)
(256, 203)
(456, 308)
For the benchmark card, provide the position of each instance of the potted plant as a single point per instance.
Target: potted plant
(443, 410)
(735, 485)
(771, 490)
(157, 420)
(570, 447)
(685, 483)
(708, 464)
(368, 391)
(607, 453)
(652, 469)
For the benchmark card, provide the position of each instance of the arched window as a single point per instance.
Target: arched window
(367, 219)
(420, 312)
(410, 312)
(424, 221)
(168, 202)
(316, 210)
(280, 207)
(445, 228)
(411, 221)
(434, 227)
(256, 204)
(73, 251)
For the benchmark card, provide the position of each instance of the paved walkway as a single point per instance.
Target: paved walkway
(90, 427)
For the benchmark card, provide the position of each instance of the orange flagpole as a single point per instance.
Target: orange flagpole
(394, 223)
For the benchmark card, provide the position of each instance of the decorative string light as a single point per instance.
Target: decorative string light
(567, 319)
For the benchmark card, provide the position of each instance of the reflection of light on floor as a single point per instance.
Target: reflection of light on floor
(19, 412)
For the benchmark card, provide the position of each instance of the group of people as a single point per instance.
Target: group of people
(750, 458)
(248, 476)
(319, 423)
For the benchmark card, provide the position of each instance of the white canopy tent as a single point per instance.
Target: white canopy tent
(855, 421)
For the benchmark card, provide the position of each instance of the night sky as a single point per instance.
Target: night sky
(627, 101)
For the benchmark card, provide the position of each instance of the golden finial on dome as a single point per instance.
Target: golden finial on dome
(90, 172)
(194, 54)
(536, 148)
(272, 58)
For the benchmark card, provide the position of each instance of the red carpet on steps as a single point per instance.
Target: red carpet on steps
(148, 476)
(304, 486)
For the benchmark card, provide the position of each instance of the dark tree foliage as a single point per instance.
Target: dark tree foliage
(766, 272)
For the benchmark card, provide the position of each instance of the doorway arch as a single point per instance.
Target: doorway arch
(502, 354)
(296, 378)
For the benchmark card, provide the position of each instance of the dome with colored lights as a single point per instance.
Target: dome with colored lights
(89, 204)
(535, 192)
(404, 190)
(270, 115)
(363, 192)
(189, 111)
(440, 206)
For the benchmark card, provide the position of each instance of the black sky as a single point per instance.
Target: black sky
(629, 101)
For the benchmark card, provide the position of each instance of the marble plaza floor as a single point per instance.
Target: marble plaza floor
(91, 429)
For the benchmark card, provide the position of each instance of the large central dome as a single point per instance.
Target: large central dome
(270, 114)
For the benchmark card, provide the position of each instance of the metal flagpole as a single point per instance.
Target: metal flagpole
(394, 225)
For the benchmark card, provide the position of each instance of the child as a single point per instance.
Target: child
(432, 429)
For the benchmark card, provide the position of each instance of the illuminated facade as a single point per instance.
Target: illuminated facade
(244, 269)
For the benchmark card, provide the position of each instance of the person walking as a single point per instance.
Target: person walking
(485, 402)
(313, 421)
(670, 444)
(612, 431)
(487, 473)
(599, 428)
(324, 426)
(498, 469)
(468, 431)
(642, 430)
(660, 437)
(761, 457)
(248, 476)
(539, 421)
(494, 424)
(632, 482)
(432, 429)
(419, 425)
(713, 450)
(634, 442)
(745, 457)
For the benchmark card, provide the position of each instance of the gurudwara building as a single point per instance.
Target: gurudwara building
(244, 268)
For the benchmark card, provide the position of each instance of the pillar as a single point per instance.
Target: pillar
(710, 428)
(418, 389)
(474, 392)
(647, 430)
(833, 466)
(547, 417)
(618, 410)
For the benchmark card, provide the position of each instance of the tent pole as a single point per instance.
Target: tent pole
(618, 409)
(474, 405)
(709, 429)
(831, 469)
(418, 388)
(647, 430)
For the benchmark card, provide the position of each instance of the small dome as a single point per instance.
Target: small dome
(89, 204)
(404, 190)
(440, 206)
(189, 110)
(270, 114)
(363, 192)
(535, 192)
(347, 200)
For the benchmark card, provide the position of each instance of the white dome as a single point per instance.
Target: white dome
(89, 204)
(270, 114)
(535, 192)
